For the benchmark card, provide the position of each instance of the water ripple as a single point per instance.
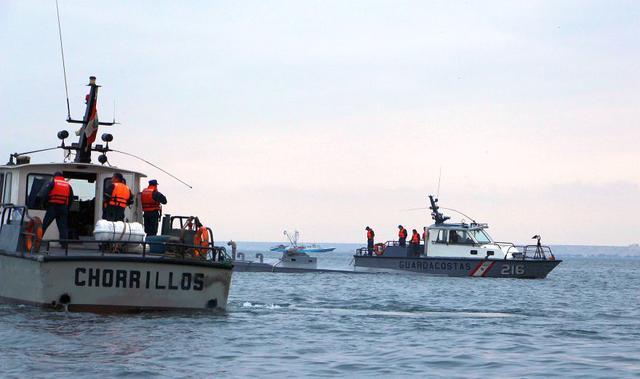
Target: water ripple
(582, 321)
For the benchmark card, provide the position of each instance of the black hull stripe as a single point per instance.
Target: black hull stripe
(102, 308)
(93, 258)
(539, 261)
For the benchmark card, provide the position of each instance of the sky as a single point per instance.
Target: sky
(328, 116)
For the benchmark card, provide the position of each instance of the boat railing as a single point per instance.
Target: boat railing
(530, 252)
(10, 211)
(365, 250)
(170, 249)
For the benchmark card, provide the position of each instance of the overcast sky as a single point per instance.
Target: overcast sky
(328, 116)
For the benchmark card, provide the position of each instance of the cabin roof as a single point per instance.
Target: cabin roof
(34, 167)
(459, 226)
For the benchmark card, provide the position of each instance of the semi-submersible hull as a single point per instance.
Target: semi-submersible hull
(113, 283)
(492, 268)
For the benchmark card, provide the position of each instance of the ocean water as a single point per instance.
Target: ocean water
(581, 321)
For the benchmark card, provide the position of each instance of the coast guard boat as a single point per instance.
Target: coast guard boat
(459, 249)
(103, 266)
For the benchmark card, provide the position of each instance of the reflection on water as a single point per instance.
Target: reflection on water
(580, 321)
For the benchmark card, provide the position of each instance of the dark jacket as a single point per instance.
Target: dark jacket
(159, 197)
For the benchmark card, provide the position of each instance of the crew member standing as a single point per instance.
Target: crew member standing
(415, 243)
(402, 236)
(117, 196)
(59, 197)
(370, 236)
(152, 201)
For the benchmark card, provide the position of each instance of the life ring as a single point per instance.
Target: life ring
(378, 249)
(33, 234)
(201, 238)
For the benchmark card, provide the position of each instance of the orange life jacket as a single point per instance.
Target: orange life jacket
(415, 238)
(369, 234)
(120, 195)
(402, 233)
(148, 204)
(61, 191)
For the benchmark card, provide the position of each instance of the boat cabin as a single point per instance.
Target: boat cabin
(461, 240)
(20, 185)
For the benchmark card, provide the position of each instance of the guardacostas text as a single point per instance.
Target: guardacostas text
(108, 278)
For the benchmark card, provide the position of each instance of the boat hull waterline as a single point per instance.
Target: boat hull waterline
(459, 267)
(113, 284)
(303, 250)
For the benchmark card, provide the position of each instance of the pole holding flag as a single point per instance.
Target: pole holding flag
(90, 124)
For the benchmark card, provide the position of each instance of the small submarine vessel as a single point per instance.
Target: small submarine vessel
(102, 266)
(294, 246)
(459, 249)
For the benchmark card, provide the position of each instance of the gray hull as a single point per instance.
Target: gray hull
(489, 268)
(113, 283)
(250, 266)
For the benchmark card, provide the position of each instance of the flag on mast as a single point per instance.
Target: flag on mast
(91, 130)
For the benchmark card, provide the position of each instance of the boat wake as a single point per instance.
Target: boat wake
(384, 313)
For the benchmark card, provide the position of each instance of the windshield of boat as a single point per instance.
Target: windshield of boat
(480, 236)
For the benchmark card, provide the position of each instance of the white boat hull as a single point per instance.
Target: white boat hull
(113, 283)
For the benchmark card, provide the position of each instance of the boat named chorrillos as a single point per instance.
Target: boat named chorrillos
(462, 249)
(101, 266)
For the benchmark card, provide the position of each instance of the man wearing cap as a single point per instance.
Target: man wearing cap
(117, 196)
(59, 195)
(152, 201)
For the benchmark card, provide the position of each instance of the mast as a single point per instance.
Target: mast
(437, 216)
(89, 130)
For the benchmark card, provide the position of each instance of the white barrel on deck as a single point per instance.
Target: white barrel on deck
(118, 231)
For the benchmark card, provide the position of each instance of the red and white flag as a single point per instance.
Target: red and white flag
(91, 130)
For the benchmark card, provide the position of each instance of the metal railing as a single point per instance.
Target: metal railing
(530, 252)
(177, 249)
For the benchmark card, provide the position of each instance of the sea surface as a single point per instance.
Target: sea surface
(583, 320)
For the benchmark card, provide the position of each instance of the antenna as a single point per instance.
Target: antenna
(64, 68)
(439, 177)
(151, 164)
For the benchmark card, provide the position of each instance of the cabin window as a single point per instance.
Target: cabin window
(459, 237)
(36, 198)
(480, 236)
(6, 195)
(442, 236)
(82, 209)
(1, 185)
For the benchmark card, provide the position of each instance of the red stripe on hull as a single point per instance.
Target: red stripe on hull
(488, 268)
(476, 268)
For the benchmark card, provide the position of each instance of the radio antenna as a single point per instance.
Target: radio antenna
(64, 68)
(152, 165)
(439, 177)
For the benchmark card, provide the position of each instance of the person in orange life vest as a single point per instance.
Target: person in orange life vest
(370, 236)
(117, 196)
(152, 201)
(402, 236)
(59, 196)
(415, 243)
